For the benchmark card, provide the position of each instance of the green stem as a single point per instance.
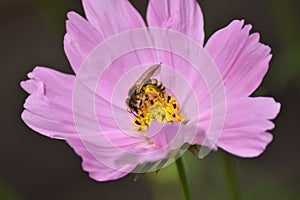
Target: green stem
(231, 178)
(183, 178)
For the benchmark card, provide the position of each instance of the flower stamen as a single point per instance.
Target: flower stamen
(156, 106)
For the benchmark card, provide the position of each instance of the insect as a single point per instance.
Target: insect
(136, 93)
(159, 86)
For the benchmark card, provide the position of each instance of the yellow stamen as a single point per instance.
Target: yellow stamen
(156, 107)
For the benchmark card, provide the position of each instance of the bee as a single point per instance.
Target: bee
(160, 87)
(136, 92)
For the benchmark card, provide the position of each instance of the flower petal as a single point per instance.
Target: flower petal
(183, 16)
(111, 17)
(242, 60)
(93, 166)
(48, 109)
(246, 122)
(80, 39)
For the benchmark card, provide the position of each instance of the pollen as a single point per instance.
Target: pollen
(156, 106)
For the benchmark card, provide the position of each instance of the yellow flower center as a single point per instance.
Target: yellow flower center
(156, 106)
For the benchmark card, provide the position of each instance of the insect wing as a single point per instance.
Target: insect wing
(152, 71)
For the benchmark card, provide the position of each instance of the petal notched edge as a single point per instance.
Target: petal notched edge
(48, 109)
(246, 124)
(81, 38)
(111, 17)
(182, 16)
(241, 59)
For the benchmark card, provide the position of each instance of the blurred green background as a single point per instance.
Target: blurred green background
(34, 167)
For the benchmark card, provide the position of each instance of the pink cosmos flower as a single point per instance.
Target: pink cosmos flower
(112, 48)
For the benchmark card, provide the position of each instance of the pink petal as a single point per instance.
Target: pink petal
(80, 39)
(183, 16)
(93, 166)
(48, 108)
(49, 111)
(111, 17)
(242, 60)
(246, 122)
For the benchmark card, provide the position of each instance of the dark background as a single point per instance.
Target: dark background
(35, 167)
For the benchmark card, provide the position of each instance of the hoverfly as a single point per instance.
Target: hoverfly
(136, 93)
